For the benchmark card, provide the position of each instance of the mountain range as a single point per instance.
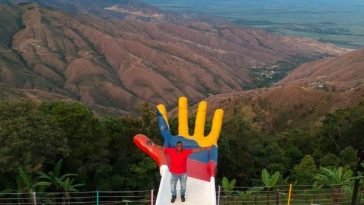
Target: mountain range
(113, 55)
(302, 98)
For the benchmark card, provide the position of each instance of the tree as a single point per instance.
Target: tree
(297, 143)
(304, 172)
(99, 150)
(343, 128)
(235, 150)
(268, 154)
(329, 160)
(28, 137)
(348, 157)
(124, 156)
(81, 128)
(148, 122)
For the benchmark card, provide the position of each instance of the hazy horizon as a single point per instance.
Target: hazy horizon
(335, 21)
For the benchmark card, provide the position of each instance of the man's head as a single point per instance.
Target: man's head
(179, 146)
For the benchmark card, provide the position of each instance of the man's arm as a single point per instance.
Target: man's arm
(200, 149)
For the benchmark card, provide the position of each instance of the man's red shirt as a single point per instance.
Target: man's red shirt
(177, 160)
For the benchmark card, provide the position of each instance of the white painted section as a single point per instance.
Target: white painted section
(198, 192)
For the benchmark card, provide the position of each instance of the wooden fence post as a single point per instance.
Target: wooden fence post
(289, 194)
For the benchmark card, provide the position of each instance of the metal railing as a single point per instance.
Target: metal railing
(145, 197)
(280, 195)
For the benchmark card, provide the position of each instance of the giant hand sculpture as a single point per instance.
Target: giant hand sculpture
(200, 165)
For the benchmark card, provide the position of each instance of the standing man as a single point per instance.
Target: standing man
(178, 167)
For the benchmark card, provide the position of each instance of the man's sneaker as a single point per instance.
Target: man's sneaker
(183, 198)
(173, 199)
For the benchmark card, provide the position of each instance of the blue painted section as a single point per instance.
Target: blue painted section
(171, 140)
(205, 156)
(163, 128)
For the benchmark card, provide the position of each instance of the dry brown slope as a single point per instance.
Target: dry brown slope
(284, 107)
(345, 72)
(120, 63)
(304, 96)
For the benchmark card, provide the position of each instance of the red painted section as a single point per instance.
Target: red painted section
(202, 171)
(157, 153)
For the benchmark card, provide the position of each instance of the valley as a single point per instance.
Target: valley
(337, 22)
(269, 75)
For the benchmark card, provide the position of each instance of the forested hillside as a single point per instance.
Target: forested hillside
(34, 137)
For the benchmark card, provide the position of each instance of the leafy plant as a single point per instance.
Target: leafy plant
(313, 192)
(54, 177)
(26, 183)
(338, 179)
(60, 182)
(227, 185)
(270, 181)
(228, 188)
(334, 178)
(250, 194)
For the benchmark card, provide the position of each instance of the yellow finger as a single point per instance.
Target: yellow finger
(216, 126)
(200, 120)
(162, 109)
(183, 117)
